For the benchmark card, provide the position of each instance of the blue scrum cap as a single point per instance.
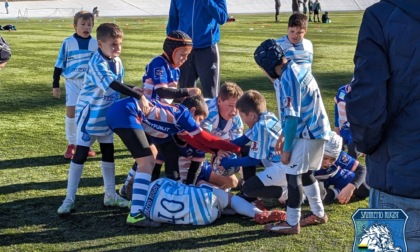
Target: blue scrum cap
(268, 55)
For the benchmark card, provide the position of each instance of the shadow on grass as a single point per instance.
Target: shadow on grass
(204, 242)
(50, 160)
(92, 221)
(49, 186)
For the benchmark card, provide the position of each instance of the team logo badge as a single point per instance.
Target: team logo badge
(379, 230)
(86, 137)
(255, 146)
(158, 72)
(288, 102)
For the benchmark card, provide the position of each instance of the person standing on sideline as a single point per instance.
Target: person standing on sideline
(6, 5)
(311, 11)
(316, 9)
(382, 108)
(277, 6)
(72, 63)
(201, 20)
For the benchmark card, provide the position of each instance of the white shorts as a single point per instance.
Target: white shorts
(273, 176)
(73, 88)
(85, 139)
(306, 155)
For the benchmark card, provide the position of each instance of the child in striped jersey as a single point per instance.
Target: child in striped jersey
(222, 121)
(305, 128)
(101, 88)
(72, 63)
(173, 202)
(263, 132)
(294, 45)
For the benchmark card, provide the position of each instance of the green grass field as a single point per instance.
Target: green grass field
(33, 172)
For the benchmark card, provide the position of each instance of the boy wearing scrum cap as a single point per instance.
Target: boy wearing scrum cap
(160, 82)
(305, 128)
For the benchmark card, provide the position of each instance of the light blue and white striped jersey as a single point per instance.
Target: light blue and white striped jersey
(301, 53)
(96, 96)
(169, 201)
(264, 135)
(74, 56)
(231, 129)
(298, 95)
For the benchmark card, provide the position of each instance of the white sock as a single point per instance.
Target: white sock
(293, 216)
(241, 206)
(313, 195)
(71, 129)
(108, 174)
(140, 190)
(75, 173)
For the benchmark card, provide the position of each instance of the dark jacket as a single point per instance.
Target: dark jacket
(200, 19)
(383, 107)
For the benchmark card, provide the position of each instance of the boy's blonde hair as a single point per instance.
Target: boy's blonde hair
(85, 15)
(298, 20)
(252, 101)
(229, 90)
(108, 30)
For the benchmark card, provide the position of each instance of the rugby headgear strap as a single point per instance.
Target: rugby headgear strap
(5, 51)
(268, 55)
(334, 145)
(175, 40)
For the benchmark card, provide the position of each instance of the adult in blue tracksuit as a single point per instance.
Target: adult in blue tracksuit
(383, 108)
(201, 20)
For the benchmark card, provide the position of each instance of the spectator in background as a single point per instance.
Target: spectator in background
(201, 20)
(95, 11)
(316, 7)
(382, 108)
(310, 8)
(305, 7)
(6, 5)
(295, 6)
(5, 52)
(277, 6)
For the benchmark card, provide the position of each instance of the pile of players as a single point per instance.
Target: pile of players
(161, 124)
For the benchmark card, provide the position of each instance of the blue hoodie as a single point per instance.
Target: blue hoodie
(200, 19)
(383, 106)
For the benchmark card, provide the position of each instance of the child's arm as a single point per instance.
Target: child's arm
(243, 161)
(56, 82)
(241, 141)
(172, 93)
(347, 192)
(285, 141)
(207, 142)
(129, 91)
